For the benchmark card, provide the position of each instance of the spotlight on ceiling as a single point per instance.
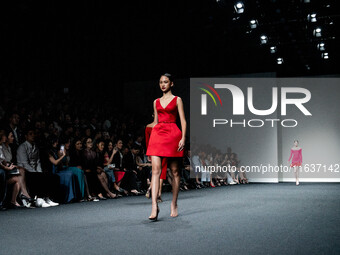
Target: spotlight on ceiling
(253, 23)
(272, 49)
(324, 55)
(317, 32)
(264, 39)
(306, 1)
(321, 46)
(239, 7)
(279, 61)
(311, 17)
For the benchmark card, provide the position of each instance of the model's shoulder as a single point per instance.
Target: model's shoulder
(179, 99)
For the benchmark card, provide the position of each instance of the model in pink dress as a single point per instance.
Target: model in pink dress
(296, 157)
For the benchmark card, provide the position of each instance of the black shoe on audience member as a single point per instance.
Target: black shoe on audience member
(2, 208)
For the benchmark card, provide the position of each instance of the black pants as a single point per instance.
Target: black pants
(129, 181)
(142, 176)
(93, 182)
(42, 184)
(3, 186)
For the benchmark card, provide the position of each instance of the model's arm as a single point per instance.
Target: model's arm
(291, 155)
(183, 123)
(155, 120)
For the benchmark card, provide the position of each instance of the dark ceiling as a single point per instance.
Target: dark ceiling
(78, 43)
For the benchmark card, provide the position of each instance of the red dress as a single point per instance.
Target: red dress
(297, 157)
(165, 135)
(164, 160)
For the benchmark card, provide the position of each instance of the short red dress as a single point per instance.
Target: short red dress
(164, 160)
(165, 135)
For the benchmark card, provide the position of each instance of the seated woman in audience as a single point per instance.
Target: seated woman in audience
(5, 142)
(75, 153)
(69, 184)
(11, 178)
(109, 167)
(242, 175)
(220, 176)
(89, 165)
(75, 169)
(197, 166)
(100, 168)
(231, 172)
(122, 175)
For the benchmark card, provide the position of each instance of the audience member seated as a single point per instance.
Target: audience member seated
(69, 188)
(100, 169)
(40, 183)
(89, 166)
(76, 152)
(13, 173)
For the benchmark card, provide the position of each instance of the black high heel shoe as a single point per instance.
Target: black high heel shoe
(155, 218)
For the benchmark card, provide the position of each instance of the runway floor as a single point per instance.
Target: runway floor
(241, 219)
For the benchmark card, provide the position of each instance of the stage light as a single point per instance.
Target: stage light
(272, 49)
(253, 23)
(306, 1)
(317, 32)
(321, 46)
(311, 17)
(279, 61)
(239, 7)
(325, 55)
(264, 39)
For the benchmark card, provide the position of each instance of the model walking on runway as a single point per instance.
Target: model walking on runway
(296, 156)
(148, 130)
(166, 140)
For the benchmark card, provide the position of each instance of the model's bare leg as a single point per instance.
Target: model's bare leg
(174, 167)
(296, 171)
(160, 190)
(156, 172)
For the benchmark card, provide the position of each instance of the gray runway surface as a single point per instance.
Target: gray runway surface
(240, 219)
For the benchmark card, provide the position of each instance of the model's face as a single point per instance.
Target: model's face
(296, 143)
(165, 84)
(78, 145)
(89, 143)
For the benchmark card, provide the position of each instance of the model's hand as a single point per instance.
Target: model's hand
(181, 145)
